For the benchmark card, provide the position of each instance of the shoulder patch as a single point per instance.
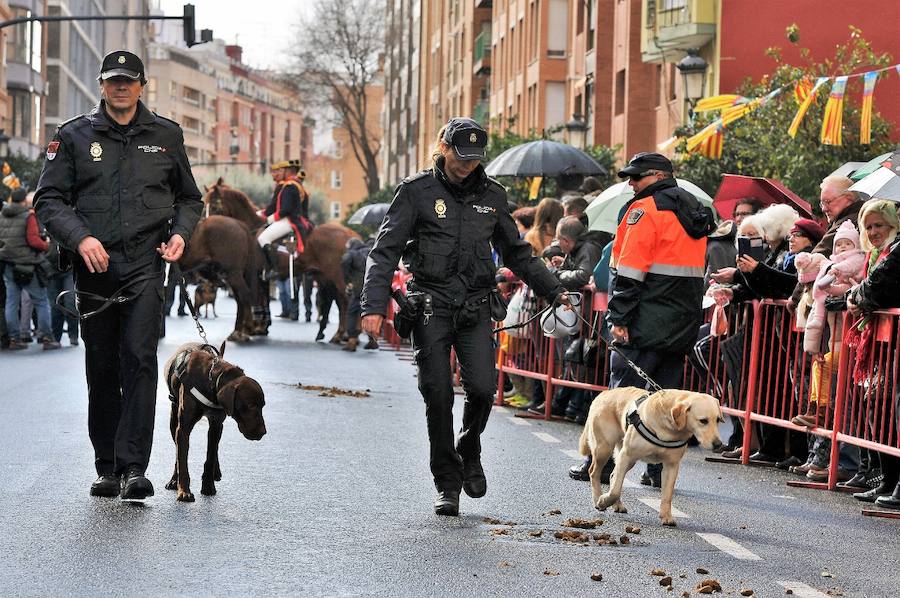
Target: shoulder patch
(634, 215)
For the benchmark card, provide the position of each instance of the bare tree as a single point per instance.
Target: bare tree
(338, 59)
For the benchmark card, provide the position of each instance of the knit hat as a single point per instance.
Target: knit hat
(809, 229)
(847, 231)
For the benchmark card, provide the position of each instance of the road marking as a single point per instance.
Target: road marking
(546, 437)
(729, 546)
(654, 503)
(519, 421)
(801, 590)
(785, 496)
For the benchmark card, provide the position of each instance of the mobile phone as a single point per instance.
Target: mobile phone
(751, 246)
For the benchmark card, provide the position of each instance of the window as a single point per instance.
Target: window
(336, 182)
(191, 125)
(558, 25)
(21, 112)
(151, 92)
(620, 92)
(23, 41)
(335, 210)
(191, 96)
(338, 148)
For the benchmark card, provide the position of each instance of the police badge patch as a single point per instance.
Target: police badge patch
(440, 208)
(52, 149)
(634, 215)
(96, 151)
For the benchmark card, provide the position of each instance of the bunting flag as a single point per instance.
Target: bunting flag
(708, 131)
(668, 144)
(719, 102)
(865, 117)
(802, 89)
(711, 147)
(801, 112)
(535, 187)
(834, 113)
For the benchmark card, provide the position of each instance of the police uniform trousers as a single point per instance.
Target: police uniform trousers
(475, 353)
(120, 346)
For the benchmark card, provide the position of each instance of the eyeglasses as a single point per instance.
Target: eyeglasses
(637, 177)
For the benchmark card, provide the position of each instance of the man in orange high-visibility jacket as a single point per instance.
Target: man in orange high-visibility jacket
(656, 284)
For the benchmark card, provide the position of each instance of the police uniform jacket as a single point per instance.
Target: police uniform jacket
(122, 185)
(656, 268)
(444, 233)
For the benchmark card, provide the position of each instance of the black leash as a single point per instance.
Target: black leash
(117, 298)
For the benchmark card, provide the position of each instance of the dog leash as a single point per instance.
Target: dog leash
(117, 298)
(541, 312)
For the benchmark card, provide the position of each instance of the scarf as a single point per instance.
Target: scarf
(859, 336)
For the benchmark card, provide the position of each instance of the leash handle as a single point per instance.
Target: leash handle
(106, 302)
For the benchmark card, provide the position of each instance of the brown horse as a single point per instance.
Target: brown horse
(228, 244)
(322, 253)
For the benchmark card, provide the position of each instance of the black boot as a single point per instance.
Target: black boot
(447, 503)
(890, 502)
(862, 474)
(271, 255)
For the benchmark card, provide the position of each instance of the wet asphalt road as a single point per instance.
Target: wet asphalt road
(336, 500)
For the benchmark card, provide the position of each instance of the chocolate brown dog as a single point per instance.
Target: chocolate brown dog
(201, 384)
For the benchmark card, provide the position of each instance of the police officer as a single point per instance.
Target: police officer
(443, 221)
(117, 191)
(287, 213)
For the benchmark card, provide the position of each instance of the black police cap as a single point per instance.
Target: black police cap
(467, 137)
(122, 64)
(644, 161)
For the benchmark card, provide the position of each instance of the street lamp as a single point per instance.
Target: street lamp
(693, 72)
(576, 130)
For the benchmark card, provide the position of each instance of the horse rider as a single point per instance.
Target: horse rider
(287, 213)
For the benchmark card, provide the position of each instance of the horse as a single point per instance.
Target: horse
(229, 245)
(324, 246)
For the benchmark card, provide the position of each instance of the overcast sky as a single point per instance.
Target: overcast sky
(264, 28)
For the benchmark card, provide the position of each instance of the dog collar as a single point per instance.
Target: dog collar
(633, 418)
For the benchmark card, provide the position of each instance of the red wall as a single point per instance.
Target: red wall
(751, 26)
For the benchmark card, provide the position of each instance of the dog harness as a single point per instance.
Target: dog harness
(180, 366)
(633, 418)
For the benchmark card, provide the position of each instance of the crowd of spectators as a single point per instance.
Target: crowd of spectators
(821, 267)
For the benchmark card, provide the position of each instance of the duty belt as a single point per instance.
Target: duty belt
(633, 418)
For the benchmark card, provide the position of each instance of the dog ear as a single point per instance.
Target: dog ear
(222, 349)
(679, 414)
(227, 396)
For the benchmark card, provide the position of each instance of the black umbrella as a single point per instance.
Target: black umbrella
(370, 215)
(543, 158)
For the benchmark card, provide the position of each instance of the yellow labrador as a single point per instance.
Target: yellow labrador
(670, 416)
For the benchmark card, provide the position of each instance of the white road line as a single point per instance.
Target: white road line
(573, 454)
(729, 546)
(785, 496)
(546, 437)
(654, 503)
(801, 590)
(519, 421)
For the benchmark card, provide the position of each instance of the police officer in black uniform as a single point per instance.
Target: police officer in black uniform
(443, 221)
(117, 191)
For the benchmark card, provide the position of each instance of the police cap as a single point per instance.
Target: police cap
(644, 161)
(122, 64)
(467, 138)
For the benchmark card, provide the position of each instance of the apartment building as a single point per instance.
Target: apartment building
(183, 88)
(400, 112)
(4, 96)
(25, 49)
(529, 47)
(455, 66)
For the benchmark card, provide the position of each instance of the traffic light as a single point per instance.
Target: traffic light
(189, 25)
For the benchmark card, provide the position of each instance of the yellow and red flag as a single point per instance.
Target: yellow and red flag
(711, 147)
(802, 89)
(801, 112)
(834, 113)
(534, 187)
(865, 117)
(719, 102)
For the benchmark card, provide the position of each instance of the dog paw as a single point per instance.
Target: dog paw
(172, 484)
(185, 496)
(603, 502)
(208, 490)
(620, 508)
(218, 476)
(667, 520)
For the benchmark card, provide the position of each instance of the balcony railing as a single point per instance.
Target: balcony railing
(482, 46)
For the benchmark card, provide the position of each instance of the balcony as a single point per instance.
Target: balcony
(671, 25)
(480, 113)
(481, 57)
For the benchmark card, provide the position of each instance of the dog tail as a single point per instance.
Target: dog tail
(583, 446)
